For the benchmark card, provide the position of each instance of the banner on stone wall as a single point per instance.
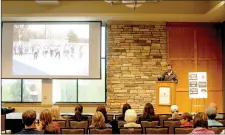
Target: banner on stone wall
(197, 85)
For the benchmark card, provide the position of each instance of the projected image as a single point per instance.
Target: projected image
(51, 49)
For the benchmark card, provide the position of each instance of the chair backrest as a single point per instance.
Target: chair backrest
(130, 130)
(222, 114)
(89, 119)
(110, 117)
(216, 129)
(79, 124)
(60, 123)
(183, 130)
(121, 123)
(163, 117)
(3, 118)
(156, 130)
(66, 116)
(100, 130)
(72, 130)
(149, 124)
(117, 116)
(171, 124)
(221, 121)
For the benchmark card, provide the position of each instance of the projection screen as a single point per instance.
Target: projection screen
(51, 50)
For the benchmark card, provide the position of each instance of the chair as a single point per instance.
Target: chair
(221, 121)
(60, 123)
(222, 114)
(183, 130)
(216, 129)
(89, 118)
(121, 123)
(79, 124)
(110, 117)
(66, 116)
(156, 130)
(100, 130)
(149, 124)
(117, 116)
(163, 117)
(130, 130)
(72, 130)
(171, 124)
(3, 130)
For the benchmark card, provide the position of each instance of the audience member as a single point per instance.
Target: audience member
(148, 114)
(211, 113)
(50, 130)
(218, 116)
(78, 114)
(29, 120)
(55, 112)
(174, 110)
(98, 121)
(131, 118)
(186, 119)
(125, 108)
(102, 109)
(201, 124)
(46, 120)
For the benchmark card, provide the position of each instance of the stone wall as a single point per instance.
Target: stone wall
(136, 56)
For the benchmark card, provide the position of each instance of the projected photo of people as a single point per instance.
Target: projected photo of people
(51, 49)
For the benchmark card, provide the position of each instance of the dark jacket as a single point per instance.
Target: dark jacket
(148, 118)
(172, 77)
(30, 131)
(80, 119)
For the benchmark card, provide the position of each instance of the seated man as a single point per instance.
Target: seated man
(218, 116)
(29, 120)
(7, 110)
(211, 113)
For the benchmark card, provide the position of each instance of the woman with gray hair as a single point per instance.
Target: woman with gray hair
(174, 110)
(131, 118)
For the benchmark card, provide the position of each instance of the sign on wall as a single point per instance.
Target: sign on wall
(197, 85)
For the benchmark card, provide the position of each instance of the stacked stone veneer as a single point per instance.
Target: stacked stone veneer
(136, 56)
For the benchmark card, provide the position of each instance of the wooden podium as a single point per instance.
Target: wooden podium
(165, 93)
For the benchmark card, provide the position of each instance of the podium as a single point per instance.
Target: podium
(165, 93)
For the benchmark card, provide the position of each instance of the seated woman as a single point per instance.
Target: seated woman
(98, 121)
(78, 114)
(50, 130)
(125, 108)
(174, 110)
(186, 120)
(131, 118)
(46, 120)
(102, 109)
(55, 112)
(201, 124)
(148, 114)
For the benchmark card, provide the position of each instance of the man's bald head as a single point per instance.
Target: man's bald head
(213, 105)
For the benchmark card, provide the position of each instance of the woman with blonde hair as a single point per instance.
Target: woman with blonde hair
(46, 120)
(55, 112)
(98, 120)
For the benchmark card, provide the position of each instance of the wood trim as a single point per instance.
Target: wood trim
(195, 52)
(190, 24)
(181, 59)
(186, 90)
(47, 105)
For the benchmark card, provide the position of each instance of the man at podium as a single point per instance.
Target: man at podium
(169, 75)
